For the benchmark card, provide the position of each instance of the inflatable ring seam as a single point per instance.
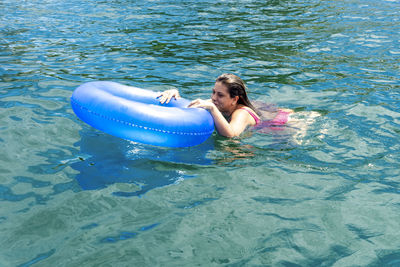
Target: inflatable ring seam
(135, 125)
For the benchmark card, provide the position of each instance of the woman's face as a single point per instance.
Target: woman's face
(221, 98)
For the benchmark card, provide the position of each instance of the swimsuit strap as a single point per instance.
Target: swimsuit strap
(255, 117)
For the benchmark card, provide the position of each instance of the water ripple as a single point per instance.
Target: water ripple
(325, 193)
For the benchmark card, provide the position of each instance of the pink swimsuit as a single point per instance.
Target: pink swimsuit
(280, 119)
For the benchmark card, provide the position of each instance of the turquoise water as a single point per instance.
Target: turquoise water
(328, 195)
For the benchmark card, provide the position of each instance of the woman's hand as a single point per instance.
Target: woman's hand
(166, 96)
(200, 103)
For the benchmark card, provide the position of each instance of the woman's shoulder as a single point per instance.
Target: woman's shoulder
(250, 112)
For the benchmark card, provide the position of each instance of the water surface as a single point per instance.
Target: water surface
(329, 196)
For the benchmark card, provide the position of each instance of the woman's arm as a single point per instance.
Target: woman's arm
(239, 120)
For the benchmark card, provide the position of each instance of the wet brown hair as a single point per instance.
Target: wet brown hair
(236, 87)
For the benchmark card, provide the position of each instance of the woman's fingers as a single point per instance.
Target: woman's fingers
(200, 103)
(166, 96)
(163, 98)
(195, 103)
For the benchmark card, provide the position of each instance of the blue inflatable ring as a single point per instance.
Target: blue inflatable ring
(136, 114)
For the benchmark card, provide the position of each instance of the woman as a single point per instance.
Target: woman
(231, 109)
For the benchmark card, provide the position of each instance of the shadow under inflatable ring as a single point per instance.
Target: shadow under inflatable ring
(136, 114)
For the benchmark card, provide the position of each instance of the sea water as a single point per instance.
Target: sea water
(325, 193)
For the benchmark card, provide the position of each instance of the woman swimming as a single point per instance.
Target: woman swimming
(229, 105)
